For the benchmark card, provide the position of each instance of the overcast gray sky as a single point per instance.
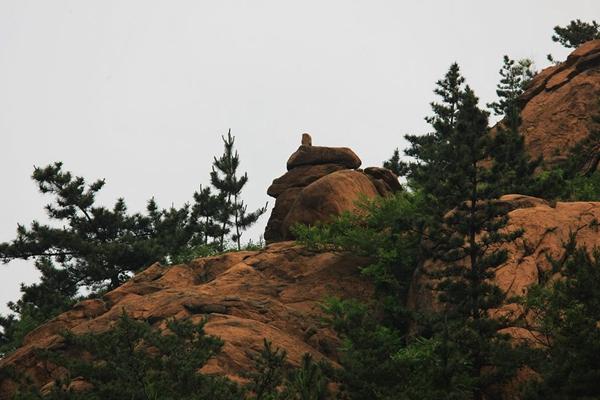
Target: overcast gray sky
(139, 92)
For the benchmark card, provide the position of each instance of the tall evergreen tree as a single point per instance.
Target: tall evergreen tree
(512, 165)
(450, 167)
(224, 177)
(429, 151)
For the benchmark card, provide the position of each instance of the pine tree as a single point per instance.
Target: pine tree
(233, 215)
(576, 33)
(563, 317)
(394, 164)
(98, 246)
(86, 245)
(206, 212)
(451, 170)
(512, 164)
(55, 293)
(430, 150)
(135, 361)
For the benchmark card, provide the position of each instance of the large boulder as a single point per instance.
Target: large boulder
(328, 197)
(307, 167)
(246, 296)
(300, 177)
(559, 105)
(314, 155)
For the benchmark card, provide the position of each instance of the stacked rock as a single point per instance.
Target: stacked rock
(322, 182)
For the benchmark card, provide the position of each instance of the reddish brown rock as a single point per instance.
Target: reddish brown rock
(559, 105)
(328, 197)
(314, 155)
(386, 177)
(546, 229)
(300, 177)
(283, 204)
(309, 165)
(275, 293)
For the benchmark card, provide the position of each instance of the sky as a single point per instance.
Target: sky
(140, 92)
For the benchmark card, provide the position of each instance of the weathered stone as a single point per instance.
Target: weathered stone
(385, 175)
(559, 105)
(314, 155)
(546, 229)
(306, 139)
(278, 303)
(328, 197)
(283, 204)
(300, 177)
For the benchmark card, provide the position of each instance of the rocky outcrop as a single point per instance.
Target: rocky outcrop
(247, 296)
(559, 105)
(322, 182)
(331, 195)
(315, 155)
(546, 228)
(276, 293)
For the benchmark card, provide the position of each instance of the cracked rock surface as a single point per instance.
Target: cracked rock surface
(275, 293)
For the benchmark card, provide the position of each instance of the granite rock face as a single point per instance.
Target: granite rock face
(275, 293)
(322, 182)
(546, 228)
(559, 106)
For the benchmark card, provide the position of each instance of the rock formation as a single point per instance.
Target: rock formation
(322, 182)
(559, 105)
(246, 296)
(546, 228)
(275, 293)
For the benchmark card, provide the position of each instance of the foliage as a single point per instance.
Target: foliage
(515, 76)
(566, 313)
(190, 253)
(308, 382)
(394, 164)
(451, 216)
(576, 178)
(386, 230)
(431, 161)
(384, 363)
(274, 379)
(54, 293)
(86, 245)
(89, 246)
(576, 33)
(100, 247)
(233, 213)
(511, 164)
(269, 372)
(366, 352)
(466, 239)
(134, 361)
